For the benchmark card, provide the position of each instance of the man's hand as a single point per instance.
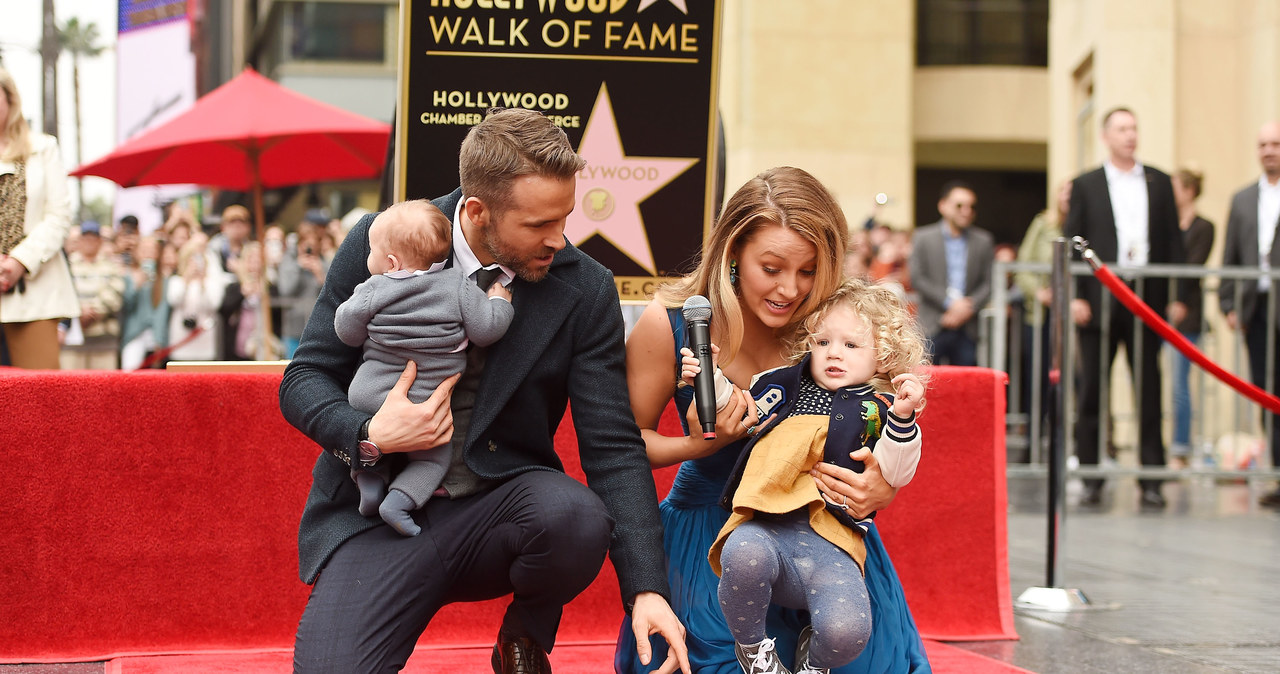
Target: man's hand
(1231, 320)
(651, 615)
(1080, 311)
(864, 492)
(403, 426)
(957, 314)
(1176, 311)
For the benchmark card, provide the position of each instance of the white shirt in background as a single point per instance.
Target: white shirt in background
(1129, 206)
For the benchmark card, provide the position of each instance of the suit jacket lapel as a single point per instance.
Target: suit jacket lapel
(1106, 229)
(1249, 253)
(939, 251)
(541, 310)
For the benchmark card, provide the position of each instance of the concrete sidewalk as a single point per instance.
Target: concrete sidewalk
(1194, 588)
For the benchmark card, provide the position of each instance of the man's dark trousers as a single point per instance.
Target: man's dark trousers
(541, 535)
(1255, 336)
(1150, 443)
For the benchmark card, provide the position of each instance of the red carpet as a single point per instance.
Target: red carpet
(565, 659)
(947, 531)
(163, 519)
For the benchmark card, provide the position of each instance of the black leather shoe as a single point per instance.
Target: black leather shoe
(1151, 498)
(1270, 499)
(521, 656)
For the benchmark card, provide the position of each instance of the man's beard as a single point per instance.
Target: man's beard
(512, 260)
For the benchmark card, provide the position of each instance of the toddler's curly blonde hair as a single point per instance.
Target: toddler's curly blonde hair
(899, 343)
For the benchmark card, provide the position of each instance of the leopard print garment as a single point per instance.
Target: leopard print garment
(13, 207)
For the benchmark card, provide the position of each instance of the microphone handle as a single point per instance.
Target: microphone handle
(704, 385)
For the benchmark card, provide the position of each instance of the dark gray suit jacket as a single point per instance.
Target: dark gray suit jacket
(1091, 216)
(1240, 249)
(564, 344)
(929, 274)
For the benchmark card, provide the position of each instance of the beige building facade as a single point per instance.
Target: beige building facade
(835, 87)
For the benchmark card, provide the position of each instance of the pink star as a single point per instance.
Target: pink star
(613, 184)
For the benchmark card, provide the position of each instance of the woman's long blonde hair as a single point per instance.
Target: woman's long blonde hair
(784, 196)
(899, 342)
(15, 126)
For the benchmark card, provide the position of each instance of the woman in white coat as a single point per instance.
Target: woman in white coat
(36, 290)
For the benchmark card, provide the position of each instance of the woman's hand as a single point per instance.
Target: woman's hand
(10, 271)
(862, 493)
(740, 418)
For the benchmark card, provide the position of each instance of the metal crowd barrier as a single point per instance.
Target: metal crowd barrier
(1220, 416)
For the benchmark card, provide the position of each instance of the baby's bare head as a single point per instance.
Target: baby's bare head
(415, 233)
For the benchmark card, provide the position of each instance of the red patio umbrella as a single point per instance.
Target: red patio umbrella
(246, 135)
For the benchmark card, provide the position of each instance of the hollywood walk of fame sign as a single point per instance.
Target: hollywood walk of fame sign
(632, 83)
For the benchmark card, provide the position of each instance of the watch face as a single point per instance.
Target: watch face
(369, 451)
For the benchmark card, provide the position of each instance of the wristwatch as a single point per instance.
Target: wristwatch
(369, 452)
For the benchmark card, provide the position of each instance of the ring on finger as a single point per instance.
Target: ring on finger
(752, 430)
(843, 504)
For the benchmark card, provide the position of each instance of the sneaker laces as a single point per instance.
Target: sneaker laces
(807, 668)
(760, 660)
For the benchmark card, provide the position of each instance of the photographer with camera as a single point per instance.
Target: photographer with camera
(194, 293)
(302, 272)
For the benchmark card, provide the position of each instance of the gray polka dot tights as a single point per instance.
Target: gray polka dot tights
(781, 560)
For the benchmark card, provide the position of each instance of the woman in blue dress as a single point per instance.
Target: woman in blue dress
(774, 255)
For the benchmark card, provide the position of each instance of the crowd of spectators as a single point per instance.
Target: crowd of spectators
(179, 294)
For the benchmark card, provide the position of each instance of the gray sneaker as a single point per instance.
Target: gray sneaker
(760, 658)
(802, 653)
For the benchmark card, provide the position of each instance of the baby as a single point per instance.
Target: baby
(785, 542)
(413, 307)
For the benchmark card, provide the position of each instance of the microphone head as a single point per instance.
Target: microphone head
(697, 308)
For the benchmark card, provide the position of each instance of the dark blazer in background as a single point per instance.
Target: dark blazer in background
(1197, 242)
(1091, 217)
(1240, 249)
(929, 274)
(564, 344)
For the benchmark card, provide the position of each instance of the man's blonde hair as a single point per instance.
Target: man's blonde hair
(898, 341)
(510, 143)
(417, 232)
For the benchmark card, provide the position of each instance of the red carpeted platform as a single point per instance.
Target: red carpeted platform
(156, 513)
(565, 659)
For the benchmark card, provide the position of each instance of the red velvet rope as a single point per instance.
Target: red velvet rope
(163, 353)
(1153, 320)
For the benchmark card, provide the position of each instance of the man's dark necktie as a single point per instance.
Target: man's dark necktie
(485, 276)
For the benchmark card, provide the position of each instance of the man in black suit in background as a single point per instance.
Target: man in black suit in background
(1127, 212)
(507, 520)
(1250, 242)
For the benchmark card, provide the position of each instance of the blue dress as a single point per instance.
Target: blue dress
(691, 518)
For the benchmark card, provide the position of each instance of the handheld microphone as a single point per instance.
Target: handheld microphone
(697, 317)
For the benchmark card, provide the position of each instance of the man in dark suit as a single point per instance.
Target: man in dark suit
(951, 262)
(1251, 233)
(1127, 212)
(507, 520)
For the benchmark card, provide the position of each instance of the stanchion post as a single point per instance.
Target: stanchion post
(1059, 324)
(1051, 597)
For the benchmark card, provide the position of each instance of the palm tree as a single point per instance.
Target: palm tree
(49, 70)
(80, 41)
